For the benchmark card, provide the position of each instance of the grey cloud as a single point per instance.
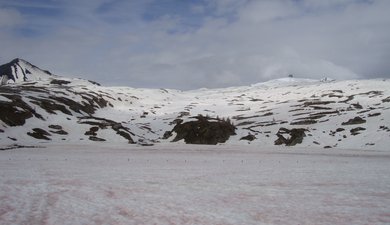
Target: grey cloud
(264, 40)
(9, 18)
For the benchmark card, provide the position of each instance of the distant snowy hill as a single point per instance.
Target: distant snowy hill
(37, 107)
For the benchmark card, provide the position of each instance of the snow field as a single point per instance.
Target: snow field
(190, 184)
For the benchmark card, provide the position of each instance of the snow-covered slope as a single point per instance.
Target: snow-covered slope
(341, 114)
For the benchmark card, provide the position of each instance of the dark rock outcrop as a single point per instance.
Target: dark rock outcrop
(204, 130)
(59, 82)
(93, 138)
(356, 120)
(167, 134)
(290, 137)
(102, 123)
(15, 112)
(386, 99)
(57, 129)
(39, 133)
(355, 131)
(249, 137)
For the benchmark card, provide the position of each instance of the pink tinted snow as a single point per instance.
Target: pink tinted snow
(193, 185)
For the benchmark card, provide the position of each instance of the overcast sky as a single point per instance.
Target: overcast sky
(188, 44)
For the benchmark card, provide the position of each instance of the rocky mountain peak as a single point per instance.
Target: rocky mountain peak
(20, 70)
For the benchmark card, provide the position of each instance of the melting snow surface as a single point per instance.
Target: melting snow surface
(190, 184)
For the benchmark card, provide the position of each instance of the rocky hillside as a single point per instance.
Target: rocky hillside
(37, 107)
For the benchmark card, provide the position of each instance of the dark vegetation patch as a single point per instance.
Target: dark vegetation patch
(126, 135)
(39, 133)
(243, 109)
(340, 129)
(142, 142)
(102, 123)
(92, 131)
(349, 98)
(146, 126)
(372, 93)
(253, 131)
(364, 111)
(357, 106)
(298, 109)
(278, 103)
(204, 130)
(386, 99)
(95, 100)
(374, 114)
(324, 113)
(75, 106)
(264, 111)
(176, 121)
(304, 122)
(356, 130)
(25, 88)
(57, 129)
(267, 123)
(315, 107)
(385, 128)
(333, 94)
(251, 117)
(182, 114)
(93, 138)
(245, 123)
(311, 103)
(16, 146)
(16, 112)
(49, 106)
(290, 137)
(356, 120)
(300, 114)
(59, 82)
(101, 94)
(256, 100)
(312, 118)
(167, 134)
(94, 82)
(249, 137)
(60, 132)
